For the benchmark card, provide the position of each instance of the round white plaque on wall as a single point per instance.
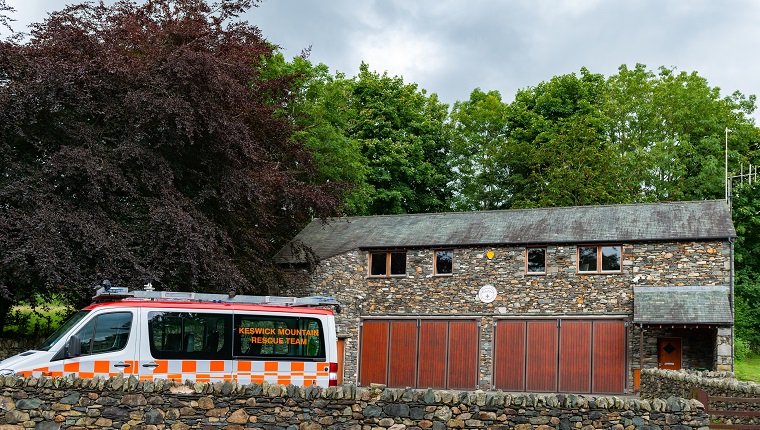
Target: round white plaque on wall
(487, 293)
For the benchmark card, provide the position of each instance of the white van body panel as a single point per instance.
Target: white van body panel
(106, 364)
(116, 339)
(27, 360)
(180, 370)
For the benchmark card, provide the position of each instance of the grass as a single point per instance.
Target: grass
(24, 321)
(748, 369)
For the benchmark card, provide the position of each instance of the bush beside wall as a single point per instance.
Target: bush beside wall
(126, 403)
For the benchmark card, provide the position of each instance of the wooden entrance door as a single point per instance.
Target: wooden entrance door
(669, 353)
(341, 355)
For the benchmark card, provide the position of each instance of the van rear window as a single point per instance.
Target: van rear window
(189, 335)
(213, 336)
(278, 337)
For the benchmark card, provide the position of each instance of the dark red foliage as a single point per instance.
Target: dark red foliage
(4, 18)
(138, 143)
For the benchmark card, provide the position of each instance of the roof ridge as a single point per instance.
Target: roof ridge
(675, 202)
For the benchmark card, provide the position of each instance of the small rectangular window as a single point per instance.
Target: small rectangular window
(398, 263)
(599, 259)
(587, 259)
(444, 262)
(610, 258)
(536, 260)
(387, 263)
(378, 264)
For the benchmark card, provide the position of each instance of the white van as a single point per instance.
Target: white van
(191, 337)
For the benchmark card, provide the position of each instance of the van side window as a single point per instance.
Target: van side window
(106, 333)
(264, 337)
(189, 335)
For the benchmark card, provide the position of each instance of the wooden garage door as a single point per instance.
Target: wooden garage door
(433, 346)
(463, 356)
(374, 340)
(420, 353)
(509, 356)
(541, 356)
(609, 357)
(402, 354)
(575, 356)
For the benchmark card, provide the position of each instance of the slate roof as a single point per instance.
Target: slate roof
(695, 220)
(682, 305)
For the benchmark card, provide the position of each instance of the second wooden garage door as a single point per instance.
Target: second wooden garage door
(574, 356)
(420, 353)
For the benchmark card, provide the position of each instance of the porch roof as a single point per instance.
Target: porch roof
(687, 305)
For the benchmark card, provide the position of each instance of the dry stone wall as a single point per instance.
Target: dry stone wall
(10, 347)
(657, 382)
(560, 291)
(119, 403)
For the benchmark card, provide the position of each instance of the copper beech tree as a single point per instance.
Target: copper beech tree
(138, 143)
(4, 18)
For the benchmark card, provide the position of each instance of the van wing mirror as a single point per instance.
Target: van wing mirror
(73, 347)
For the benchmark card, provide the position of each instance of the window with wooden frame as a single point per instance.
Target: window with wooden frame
(387, 263)
(600, 259)
(535, 260)
(444, 262)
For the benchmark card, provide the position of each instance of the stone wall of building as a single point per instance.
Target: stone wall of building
(118, 403)
(560, 291)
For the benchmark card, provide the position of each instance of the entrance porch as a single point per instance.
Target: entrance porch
(684, 327)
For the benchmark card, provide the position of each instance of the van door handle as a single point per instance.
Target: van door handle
(122, 364)
(151, 364)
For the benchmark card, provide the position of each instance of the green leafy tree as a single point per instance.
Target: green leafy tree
(140, 143)
(479, 152)
(319, 110)
(404, 137)
(383, 141)
(575, 167)
(670, 128)
(746, 215)
(561, 125)
(637, 136)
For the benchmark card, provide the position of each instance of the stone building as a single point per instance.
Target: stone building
(573, 299)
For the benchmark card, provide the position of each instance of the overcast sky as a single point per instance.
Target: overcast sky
(452, 47)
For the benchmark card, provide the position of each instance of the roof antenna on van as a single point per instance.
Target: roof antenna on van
(148, 286)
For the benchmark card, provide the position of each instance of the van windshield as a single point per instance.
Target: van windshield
(62, 330)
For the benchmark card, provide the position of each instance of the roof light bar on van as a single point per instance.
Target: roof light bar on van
(120, 293)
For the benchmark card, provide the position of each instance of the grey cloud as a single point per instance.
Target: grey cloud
(509, 44)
